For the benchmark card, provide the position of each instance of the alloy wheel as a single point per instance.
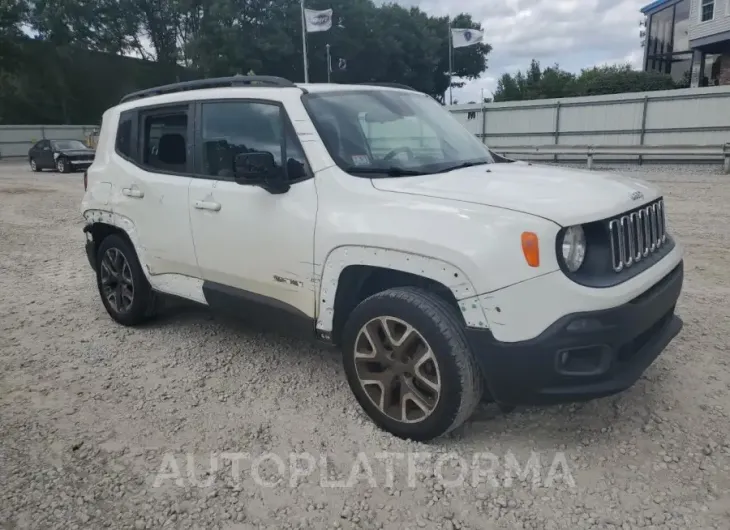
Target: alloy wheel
(33, 164)
(116, 280)
(397, 369)
(61, 165)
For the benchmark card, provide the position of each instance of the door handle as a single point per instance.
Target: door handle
(208, 205)
(133, 192)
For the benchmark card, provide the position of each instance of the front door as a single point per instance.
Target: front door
(255, 249)
(45, 155)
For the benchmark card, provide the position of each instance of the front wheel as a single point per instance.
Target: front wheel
(62, 165)
(409, 365)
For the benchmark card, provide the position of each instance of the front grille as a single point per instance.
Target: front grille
(637, 235)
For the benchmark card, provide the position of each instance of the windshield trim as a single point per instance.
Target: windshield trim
(344, 166)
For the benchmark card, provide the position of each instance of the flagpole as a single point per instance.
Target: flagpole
(304, 44)
(451, 63)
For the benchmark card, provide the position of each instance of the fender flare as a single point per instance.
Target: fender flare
(123, 223)
(432, 268)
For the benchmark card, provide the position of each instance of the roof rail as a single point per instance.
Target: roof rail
(216, 82)
(390, 85)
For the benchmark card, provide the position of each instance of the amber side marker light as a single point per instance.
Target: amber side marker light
(531, 249)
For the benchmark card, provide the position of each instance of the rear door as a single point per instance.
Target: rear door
(153, 156)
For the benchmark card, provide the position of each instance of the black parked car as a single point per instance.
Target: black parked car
(61, 155)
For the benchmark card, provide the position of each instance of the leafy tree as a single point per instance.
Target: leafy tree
(219, 37)
(556, 83)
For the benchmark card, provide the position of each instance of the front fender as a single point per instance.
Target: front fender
(432, 268)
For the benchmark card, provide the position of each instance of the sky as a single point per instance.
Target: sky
(573, 33)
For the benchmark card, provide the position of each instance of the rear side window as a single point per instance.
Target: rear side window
(165, 139)
(124, 134)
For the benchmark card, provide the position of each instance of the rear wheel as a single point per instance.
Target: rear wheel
(34, 165)
(124, 289)
(409, 365)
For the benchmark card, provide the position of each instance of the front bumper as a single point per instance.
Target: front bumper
(80, 164)
(584, 355)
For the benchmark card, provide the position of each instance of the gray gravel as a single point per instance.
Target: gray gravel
(95, 419)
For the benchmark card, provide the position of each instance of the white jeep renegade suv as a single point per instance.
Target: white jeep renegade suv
(368, 217)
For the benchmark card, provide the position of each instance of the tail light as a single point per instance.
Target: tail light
(86, 179)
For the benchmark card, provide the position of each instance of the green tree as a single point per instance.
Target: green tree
(385, 43)
(556, 83)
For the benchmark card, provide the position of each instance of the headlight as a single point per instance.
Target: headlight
(574, 247)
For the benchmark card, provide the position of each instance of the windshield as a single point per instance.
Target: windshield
(68, 145)
(392, 133)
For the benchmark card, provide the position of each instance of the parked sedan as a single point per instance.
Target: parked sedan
(61, 155)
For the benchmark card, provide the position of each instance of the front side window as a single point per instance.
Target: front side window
(67, 145)
(230, 128)
(165, 140)
(707, 10)
(391, 132)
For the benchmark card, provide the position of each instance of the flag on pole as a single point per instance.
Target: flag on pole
(465, 37)
(318, 20)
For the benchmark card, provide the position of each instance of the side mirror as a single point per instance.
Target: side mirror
(260, 168)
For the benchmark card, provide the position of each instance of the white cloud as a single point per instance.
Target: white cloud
(575, 34)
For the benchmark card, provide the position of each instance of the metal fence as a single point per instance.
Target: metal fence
(15, 140)
(688, 117)
(696, 117)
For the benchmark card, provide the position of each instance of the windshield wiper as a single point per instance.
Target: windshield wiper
(461, 166)
(392, 171)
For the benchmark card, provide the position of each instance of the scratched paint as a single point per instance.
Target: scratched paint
(431, 268)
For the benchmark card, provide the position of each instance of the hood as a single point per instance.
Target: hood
(565, 196)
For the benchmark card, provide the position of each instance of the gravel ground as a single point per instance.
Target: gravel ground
(198, 422)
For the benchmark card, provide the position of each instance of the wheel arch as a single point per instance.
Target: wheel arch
(352, 273)
(101, 223)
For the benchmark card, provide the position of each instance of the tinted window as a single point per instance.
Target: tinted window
(681, 27)
(660, 32)
(68, 145)
(165, 140)
(231, 128)
(124, 135)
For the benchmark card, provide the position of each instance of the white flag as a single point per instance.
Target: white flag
(465, 37)
(318, 20)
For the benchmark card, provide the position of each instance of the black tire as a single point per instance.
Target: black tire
(142, 307)
(62, 165)
(34, 166)
(439, 324)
